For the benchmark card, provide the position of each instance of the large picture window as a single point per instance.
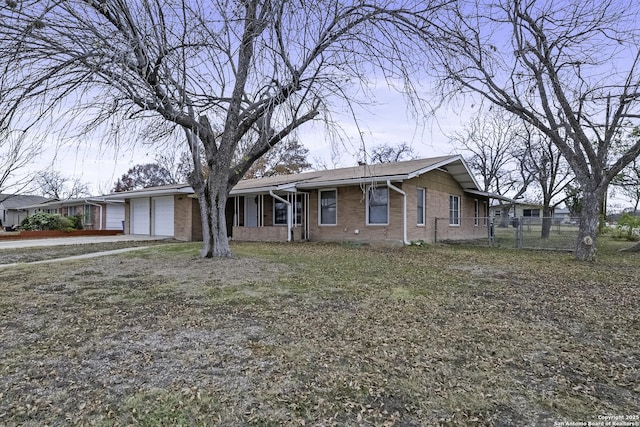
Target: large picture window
(454, 210)
(328, 205)
(420, 199)
(378, 205)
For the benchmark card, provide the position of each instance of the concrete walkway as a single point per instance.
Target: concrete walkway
(80, 240)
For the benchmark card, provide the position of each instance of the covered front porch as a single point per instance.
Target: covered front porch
(273, 216)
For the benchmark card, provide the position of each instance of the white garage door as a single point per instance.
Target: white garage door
(140, 216)
(162, 216)
(115, 216)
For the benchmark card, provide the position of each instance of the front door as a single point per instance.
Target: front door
(250, 211)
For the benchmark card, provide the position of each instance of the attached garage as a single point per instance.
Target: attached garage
(165, 211)
(162, 214)
(140, 218)
(115, 216)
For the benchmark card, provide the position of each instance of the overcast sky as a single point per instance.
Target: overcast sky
(389, 121)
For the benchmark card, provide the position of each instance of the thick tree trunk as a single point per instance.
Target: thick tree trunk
(546, 222)
(586, 244)
(212, 198)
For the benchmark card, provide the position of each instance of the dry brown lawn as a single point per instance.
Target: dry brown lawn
(314, 334)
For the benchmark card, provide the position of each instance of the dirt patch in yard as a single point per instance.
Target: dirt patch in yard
(319, 335)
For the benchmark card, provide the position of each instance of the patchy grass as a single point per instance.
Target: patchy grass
(10, 256)
(314, 334)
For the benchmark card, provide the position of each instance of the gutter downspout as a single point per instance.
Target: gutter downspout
(99, 206)
(404, 211)
(289, 213)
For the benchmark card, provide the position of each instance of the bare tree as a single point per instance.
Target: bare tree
(494, 141)
(570, 69)
(16, 153)
(387, 153)
(57, 186)
(488, 143)
(222, 73)
(549, 171)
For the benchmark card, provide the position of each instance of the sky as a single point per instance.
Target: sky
(388, 122)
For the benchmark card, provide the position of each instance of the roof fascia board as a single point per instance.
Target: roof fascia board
(150, 192)
(435, 166)
(352, 181)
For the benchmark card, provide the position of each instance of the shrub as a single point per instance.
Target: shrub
(629, 225)
(76, 221)
(46, 221)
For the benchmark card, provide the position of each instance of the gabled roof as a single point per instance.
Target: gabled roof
(19, 201)
(362, 174)
(160, 190)
(397, 171)
(74, 202)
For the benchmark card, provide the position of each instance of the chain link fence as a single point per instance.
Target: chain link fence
(514, 232)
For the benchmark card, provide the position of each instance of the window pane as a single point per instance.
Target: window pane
(328, 207)
(420, 213)
(280, 214)
(454, 210)
(378, 205)
(476, 212)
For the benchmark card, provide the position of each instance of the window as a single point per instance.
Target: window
(328, 204)
(71, 210)
(87, 214)
(485, 213)
(454, 210)
(420, 193)
(531, 213)
(476, 212)
(378, 205)
(280, 211)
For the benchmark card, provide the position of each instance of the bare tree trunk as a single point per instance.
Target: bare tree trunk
(586, 245)
(217, 199)
(205, 213)
(546, 221)
(504, 216)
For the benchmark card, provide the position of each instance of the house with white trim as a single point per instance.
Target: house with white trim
(12, 207)
(426, 199)
(96, 213)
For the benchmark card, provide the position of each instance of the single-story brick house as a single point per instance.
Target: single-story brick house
(12, 207)
(96, 212)
(426, 199)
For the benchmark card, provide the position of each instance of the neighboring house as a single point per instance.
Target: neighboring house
(96, 212)
(393, 202)
(12, 207)
(529, 210)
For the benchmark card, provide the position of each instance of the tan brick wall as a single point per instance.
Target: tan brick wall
(351, 216)
(265, 234)
(196, 222)
(182, 218)
(351, 213)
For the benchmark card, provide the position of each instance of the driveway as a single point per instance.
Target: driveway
(80, 240)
